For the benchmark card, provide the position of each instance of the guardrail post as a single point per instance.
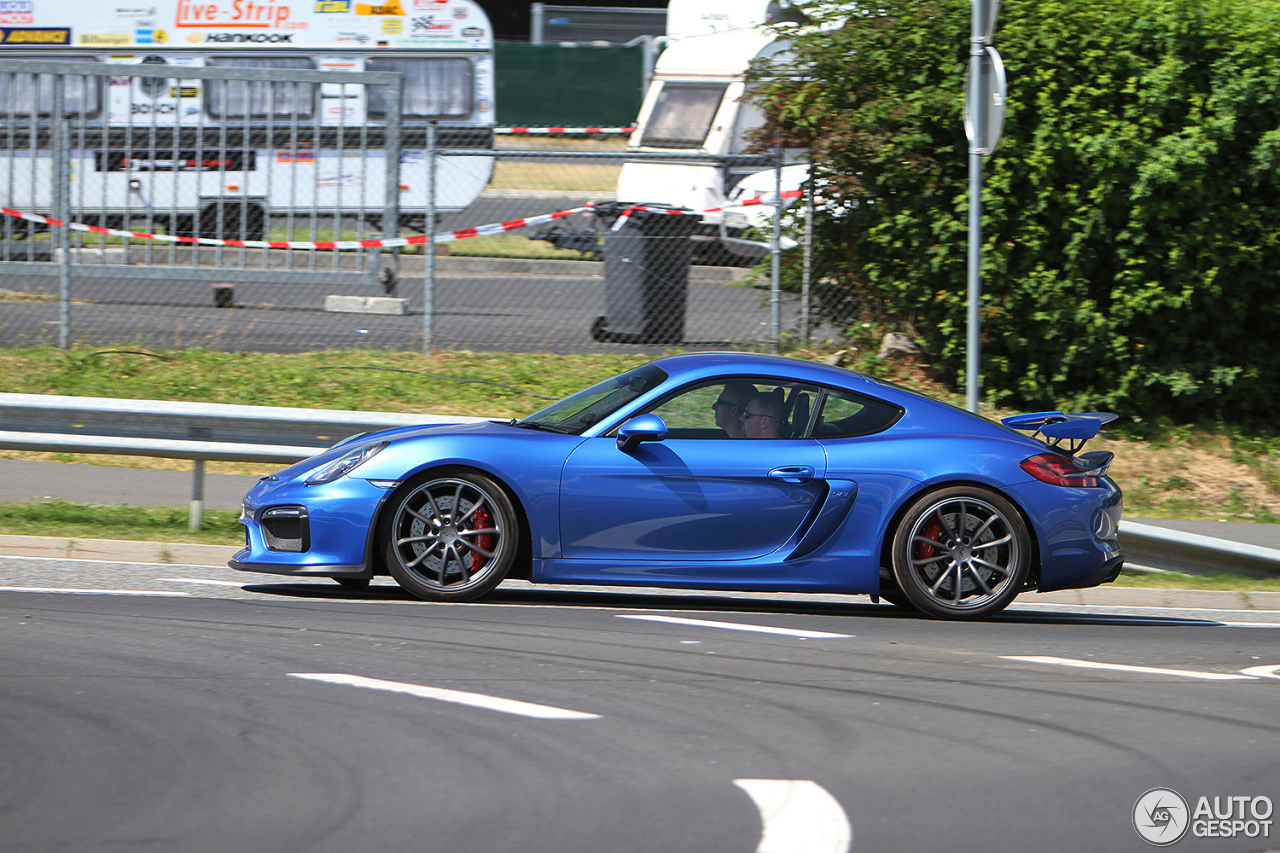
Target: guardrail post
(196, 522)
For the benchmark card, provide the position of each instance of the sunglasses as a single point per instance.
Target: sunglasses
(749, 415)
(723, 403)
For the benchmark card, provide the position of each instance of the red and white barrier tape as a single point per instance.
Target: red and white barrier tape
(549, 131)
(384, 243)
(750, 202)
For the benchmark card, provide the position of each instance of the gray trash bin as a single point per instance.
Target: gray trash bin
(646, 274)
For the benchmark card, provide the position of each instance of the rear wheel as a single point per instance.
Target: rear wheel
(450, 536)
(961, 553)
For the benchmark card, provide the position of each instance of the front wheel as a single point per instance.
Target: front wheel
(961, 553)
(450, 536)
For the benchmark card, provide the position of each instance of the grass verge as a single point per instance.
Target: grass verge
(142, 524)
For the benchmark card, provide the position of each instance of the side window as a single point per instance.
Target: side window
(23, 91)
(691, 414)
(738, 407)
(846, 415)
(433, 88)
(258, 98)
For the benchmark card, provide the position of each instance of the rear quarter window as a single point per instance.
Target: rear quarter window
(846, 415)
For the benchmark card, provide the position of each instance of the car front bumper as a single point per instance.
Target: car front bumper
(322, 530)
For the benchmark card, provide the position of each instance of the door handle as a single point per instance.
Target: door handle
(792, 474)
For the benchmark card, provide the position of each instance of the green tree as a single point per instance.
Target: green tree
(1131, 221)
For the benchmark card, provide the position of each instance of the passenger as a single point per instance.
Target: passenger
(730, 405)
(763, 416)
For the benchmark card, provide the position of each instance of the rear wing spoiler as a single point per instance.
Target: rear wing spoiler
(1055, 427)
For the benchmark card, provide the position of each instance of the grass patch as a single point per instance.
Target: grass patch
(1175, 580)
(556, 176)
(455, 383)
(144, 524)
(511, 246)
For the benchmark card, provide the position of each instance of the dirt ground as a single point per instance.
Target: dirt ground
(1197, 479)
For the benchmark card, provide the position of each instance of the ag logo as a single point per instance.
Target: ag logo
(1161, 816)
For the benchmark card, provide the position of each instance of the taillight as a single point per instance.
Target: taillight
(1059, 470)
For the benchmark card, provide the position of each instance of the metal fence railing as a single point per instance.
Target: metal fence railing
(249, 225)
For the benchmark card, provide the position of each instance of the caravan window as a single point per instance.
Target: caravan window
(433, 88)
(683, 114)
(18, 91)
(258, 99)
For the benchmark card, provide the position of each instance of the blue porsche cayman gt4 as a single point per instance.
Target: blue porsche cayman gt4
(722, 471)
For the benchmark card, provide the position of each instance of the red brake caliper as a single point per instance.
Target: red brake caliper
(481, 519)
(924, 550)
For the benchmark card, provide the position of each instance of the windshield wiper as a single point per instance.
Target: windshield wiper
(541, 427)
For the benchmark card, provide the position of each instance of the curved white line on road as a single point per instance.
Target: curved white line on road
(799, 816)
(1124, 667)
(150, 592)
(1268, 671)
(458, 697)
(737, 626)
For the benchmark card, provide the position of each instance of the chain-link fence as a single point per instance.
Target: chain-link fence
(241, 218)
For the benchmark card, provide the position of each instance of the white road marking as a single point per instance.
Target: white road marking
(150, 592)
(202, 582)
(1250, 624)
(799, 816)
(735, 626)
(458, 697)
(1268, 671)
(1121, 667)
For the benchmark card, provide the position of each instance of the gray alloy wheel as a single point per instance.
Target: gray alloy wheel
(961, 553)
(450, 536)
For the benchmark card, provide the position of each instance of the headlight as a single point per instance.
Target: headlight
(344, 464)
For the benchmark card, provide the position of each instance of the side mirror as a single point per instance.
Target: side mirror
(641, 428)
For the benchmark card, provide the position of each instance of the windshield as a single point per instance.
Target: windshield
(574, 414)
(683, 114)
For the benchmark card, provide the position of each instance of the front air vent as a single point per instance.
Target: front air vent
(286, 528)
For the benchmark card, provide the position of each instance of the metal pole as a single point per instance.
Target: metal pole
(391, 184)
(62, 205)
(775, 253)
(429, 282)
(973, 352)
(806, 283)
(537, 20)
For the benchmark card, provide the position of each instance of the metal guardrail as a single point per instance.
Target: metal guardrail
(1174, 550)
(176, 430)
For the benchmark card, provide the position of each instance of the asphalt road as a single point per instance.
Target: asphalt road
(511, 312)
(190, 712)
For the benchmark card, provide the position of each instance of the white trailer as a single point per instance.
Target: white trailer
(221, 158)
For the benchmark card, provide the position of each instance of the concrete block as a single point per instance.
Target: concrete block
(365, 305)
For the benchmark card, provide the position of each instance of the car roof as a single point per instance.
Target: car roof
(695, 364)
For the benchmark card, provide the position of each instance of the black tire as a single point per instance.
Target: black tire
(353, 584)
(450, 535)
(961, 553)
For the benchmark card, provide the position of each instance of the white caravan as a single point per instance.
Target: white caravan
(696, 104)
(443, 48)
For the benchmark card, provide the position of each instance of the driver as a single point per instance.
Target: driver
(730, 405)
